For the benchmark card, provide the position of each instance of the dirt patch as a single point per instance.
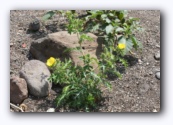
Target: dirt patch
(137, 91)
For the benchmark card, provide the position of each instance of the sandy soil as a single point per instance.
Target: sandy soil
(137, 91)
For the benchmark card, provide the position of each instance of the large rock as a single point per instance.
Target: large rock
(18, 90)
(36, 75)
(54, 45)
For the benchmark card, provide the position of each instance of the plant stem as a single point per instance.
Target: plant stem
(80, 44)
(16, 107)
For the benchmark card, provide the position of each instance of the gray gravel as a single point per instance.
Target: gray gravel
(137, 91)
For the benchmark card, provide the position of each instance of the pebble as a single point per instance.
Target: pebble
(158, 75)
(150, 73)
(34, 25)
(158, 46)
(157, 56)
(11, 44)
(139, 61)
(154, 110)
(51, 110)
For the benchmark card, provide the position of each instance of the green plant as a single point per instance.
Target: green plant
(81, 85)
(117, 29)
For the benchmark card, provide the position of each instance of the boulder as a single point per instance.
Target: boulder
(18, 90)
(36, 75)
(55, 44)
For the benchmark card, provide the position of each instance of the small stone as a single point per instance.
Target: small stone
(139, 61)
(11, 44)
(158, 75)
(51, 110)
(154, 110)
(147, 63)
(157, 56)
(150, 73)
(34, 25)
(158, 46)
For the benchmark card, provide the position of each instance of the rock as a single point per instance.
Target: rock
(158, 46)
(158, 75)
(54, 45)
(157, 56)
(154, 110)
(36, 74)
(51, 110)
(139, 61)
(34, 25)
(150, 73)
(18, 90)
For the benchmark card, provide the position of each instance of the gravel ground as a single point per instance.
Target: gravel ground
(137, 91)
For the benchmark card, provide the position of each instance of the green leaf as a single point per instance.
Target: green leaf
(140, 45)
(119, 29)
(111, 14)
(136, 44)
(131, 19)
(71, 49)
(123, 61)
(121, 16)
(48, 15)
(65, 89)
(109, 29)
(84, 37)
(128, 43)
(108, 20)
(122, 39)
(117, 73)
(108, 84)
(95, 28)
(103, 16)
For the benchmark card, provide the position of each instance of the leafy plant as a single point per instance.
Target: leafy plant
(117, 29)
(81, 85)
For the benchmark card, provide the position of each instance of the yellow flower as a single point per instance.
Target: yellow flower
(121, 46)
(51, 61)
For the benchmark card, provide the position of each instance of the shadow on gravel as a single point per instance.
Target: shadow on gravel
(36, 34)
(131, 60)
(45, 103)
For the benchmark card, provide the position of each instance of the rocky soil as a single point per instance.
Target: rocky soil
(137, 91)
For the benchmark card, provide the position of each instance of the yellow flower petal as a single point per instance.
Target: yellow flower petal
(121, 46)
(51, 61)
